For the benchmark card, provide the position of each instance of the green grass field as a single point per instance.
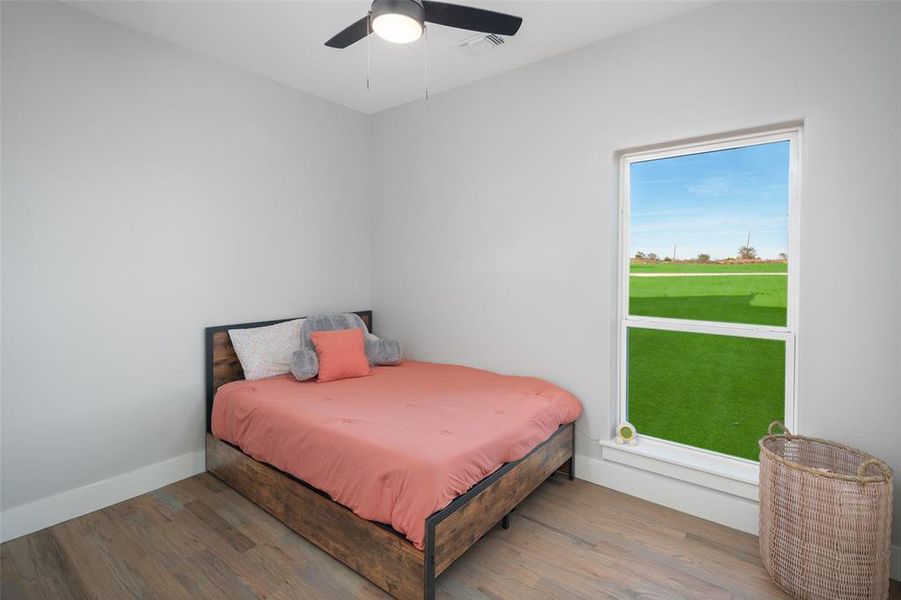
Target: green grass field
(757, 299)
(669, 267)
(710, 391)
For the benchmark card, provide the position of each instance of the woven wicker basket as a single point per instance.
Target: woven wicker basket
(825, 518)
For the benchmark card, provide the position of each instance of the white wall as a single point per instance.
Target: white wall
(149, 192)
(494, 240)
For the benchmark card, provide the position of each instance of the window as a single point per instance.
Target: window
(708, 305)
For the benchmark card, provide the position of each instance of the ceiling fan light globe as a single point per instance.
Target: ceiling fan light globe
(397, 28)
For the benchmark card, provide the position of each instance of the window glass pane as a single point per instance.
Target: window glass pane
(708, 235)
(709, 391)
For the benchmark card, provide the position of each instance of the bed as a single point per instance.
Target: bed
(425, 504)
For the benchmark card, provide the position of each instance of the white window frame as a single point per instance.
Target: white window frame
(700, 458)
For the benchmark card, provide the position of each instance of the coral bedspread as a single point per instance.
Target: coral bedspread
(397, 445)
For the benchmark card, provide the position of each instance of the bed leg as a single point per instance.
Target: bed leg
(505, 522)
(429, 560)
(430, 585)
(572, 459)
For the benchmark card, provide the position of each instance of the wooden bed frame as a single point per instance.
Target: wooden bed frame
(375, 551)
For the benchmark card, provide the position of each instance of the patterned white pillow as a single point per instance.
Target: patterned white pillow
(266, 351)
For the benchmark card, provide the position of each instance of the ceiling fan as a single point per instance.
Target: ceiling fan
(402, 21)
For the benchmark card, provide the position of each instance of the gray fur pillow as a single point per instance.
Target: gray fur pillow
(305, 363)
(383, 352)
(329, 323)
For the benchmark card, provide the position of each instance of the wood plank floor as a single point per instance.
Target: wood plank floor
(199, 539)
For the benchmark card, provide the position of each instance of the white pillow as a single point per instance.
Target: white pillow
(266, 351)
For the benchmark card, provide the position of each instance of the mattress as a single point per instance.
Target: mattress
(398, 445)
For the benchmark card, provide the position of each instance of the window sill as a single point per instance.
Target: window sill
(715, 471)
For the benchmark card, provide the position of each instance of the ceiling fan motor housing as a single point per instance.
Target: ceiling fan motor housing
(403, 21)
(409, 8)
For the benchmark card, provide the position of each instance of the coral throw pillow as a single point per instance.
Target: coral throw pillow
(341, 353)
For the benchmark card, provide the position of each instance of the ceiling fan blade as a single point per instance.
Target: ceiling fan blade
(474, 19)
(350, 35)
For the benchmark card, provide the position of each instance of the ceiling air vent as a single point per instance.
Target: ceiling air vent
(480, 43)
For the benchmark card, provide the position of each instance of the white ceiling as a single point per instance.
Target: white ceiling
(283, 40)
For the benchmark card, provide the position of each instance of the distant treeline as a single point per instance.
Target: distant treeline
(746, 254)
(708, 261)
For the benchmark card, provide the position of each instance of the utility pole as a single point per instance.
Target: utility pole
(674, 252)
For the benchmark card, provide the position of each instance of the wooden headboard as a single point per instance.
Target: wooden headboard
(222, 364)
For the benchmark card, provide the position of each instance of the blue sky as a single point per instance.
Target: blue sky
(707, 202)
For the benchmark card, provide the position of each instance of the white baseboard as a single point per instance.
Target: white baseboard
(27, 518)
(720, 507)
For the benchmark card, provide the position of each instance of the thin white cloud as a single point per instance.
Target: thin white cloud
(713, 186)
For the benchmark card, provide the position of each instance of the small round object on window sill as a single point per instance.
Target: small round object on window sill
(625, 434)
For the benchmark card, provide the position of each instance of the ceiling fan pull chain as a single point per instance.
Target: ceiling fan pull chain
(368, 53)
(425, 41)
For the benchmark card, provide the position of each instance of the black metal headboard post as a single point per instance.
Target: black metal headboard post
(209, 334)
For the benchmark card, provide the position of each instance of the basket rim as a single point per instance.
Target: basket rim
(868, 458)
